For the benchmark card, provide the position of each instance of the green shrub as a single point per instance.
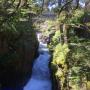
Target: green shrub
(60, 53)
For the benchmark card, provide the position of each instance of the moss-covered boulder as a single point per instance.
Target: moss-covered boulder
(17, 52)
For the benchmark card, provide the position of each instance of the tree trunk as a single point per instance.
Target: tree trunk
(23, 3)
(77, 4)
(59, 2)
(65, 34)
(61, 36)
(45, 4)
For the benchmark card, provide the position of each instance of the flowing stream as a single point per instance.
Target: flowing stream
(40, 79)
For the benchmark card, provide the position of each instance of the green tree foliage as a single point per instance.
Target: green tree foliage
(15, 20)
(71, 61)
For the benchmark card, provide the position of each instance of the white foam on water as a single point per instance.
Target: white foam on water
(40, 79)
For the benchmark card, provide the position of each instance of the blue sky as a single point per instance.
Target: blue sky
(82, 3)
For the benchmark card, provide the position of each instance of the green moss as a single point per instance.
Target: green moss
(60, 52)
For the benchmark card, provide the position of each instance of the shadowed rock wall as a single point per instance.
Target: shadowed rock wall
(17, 53)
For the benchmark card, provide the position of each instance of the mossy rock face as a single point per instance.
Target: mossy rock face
(17, 53)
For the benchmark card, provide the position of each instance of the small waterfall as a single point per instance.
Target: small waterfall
(40, 79)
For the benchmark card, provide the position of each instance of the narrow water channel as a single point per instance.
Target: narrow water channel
(40, 79)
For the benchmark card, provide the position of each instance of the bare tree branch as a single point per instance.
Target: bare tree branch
(64, 6)
(77, 1)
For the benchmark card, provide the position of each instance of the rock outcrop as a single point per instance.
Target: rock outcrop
(17, 53)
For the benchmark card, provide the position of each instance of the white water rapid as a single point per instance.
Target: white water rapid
(40, 79)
